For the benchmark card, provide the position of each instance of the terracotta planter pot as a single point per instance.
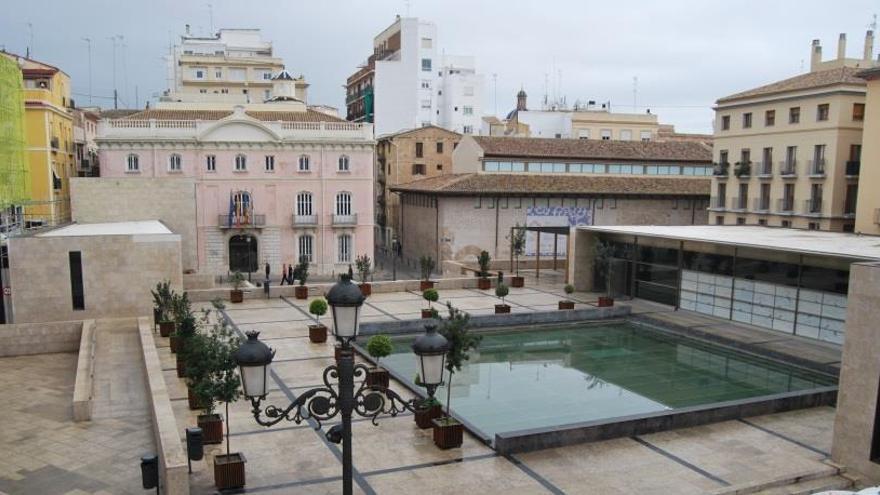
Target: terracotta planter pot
(517, 281)
(181, 367)
(236, 296)
(447, 436)
(229, 471)
(366, 289)
(425, 285)
(484, 284)
(301, 292)
(377, 378)
(317, 334)
(502, 309)
(174, 342)
(566, 304)
(212, 428)
(427, 313)
(165, 328)
(193, 401)
(605, 301)
(424, 417)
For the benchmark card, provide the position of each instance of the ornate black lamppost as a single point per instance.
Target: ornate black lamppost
(324, 403)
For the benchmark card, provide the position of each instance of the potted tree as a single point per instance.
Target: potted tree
(301, 272)
(567, 303)
(236, 295)
(449, 433)
(180, 309)
(430, 295)
(197, 358)
(378, 346)
(483, 260)
(363, 263)
(428, 410)
(501, 290)
(317, 331)
(426, 265)
(517, 249)
(162, 299)
(603, 255)
(184, 333)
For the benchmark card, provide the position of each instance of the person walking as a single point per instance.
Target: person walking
(284, 274)
(290, 274)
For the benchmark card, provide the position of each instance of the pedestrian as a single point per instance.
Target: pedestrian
(284, 274)
(290, 274)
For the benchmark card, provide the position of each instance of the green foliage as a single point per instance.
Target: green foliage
(301, 271)
(461, 342)
(364, 266)
(483, 260)
(162, 296)
(426, 264)
(186, 329)
(603, 254)
(318, 307)
(379, 346)
(502, 290)
(430, 295)
(180, 307)
(569, 289)
(237, 280)
(517, 244)
(218, 303)
(211, 366)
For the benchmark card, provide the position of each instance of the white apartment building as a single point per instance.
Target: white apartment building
(459, 95)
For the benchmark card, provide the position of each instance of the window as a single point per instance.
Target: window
(645, 135)
(426, 84)
(76, 280)
(343, 203)
(725, 122)
(203, 91)
(790, 160)
(439, 166)
(722, 195)
(303, 163)
(813, 226)
(583, 134)
(719, 220)
(858, 112)
(343, 163)
(468, 91)
(132, 162)
(344, 255)
(740, 221)
(764, 204)
(605, 134)
(420, 150)
(849, 203)
(787, 197)
(240, 163)
(626, 135)
(786, 223)
(439, 146)
(304, 204)
(426, 65)
(306, 250)
(418, 169)
(174, 163)
(794, 115)
(743, 197)
(218, 74)
(427, 43)
(467, 110)
(767, 162)
(822, 112)
(270, 163)
(770, 118)
(722, 156)
(818, 160)
(762, 222)
(747, 120)
(855, 152)
(468, 129)
(426, 104)
(200, 73)
(211, 163)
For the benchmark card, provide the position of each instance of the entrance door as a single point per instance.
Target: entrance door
(243, 253)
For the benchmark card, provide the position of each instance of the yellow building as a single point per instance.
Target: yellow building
(49, 141)
(787, 154)
(868, 205)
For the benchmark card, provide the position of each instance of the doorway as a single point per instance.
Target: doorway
(243, 253)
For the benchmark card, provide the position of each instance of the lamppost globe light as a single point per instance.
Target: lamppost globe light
(345, 300)
(431, 350)
(253, 359)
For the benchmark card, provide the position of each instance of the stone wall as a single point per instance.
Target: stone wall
(171, 200)
(31, 338)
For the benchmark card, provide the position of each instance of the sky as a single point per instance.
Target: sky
(685, 54)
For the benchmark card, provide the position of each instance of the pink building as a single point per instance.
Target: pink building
(273, 182)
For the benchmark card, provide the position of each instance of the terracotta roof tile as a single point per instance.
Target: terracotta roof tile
(268, 115)
(472, 184)
(593, 149)
(810, 80)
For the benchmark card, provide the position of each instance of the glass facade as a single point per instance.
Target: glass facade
(595, 168)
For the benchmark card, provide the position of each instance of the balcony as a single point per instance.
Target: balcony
(765, 169)
(813, 206)
(721, 169)
(740, 204)
(718, 203)
(55, 143)
(785, 206)
(852, 168)
(345, 220)
(304, 220)
(761, 204)
(788, 169)
(241, 221)
(742, 169)
(817, 168)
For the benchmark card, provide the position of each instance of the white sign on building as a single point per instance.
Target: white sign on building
(553, 216)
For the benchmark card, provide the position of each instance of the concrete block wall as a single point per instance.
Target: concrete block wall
(40, 338)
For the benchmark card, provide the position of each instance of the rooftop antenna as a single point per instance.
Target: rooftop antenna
(873, 24)
(124, 69)
(30, 48)
(495, 91)
(89, 43)
(211, 18)
(546, 89)
(115, 95)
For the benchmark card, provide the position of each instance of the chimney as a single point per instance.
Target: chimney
(841, 47)
(815, 56)
(869, 46)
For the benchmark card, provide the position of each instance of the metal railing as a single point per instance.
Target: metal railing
(721, 168)
(719, 202)
(765, 169)
(740, 203)
(785, 205)
(852, 168)
(761, 204)
(344, 220)
(813, 206)
(817, 168)
(742, 169)
(240, 221)
(788, 168)
(304, 220)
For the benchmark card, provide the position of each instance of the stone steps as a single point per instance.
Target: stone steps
(807, 487)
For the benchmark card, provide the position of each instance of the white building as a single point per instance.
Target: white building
(459, 95)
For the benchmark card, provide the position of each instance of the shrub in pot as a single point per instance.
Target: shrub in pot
(378, 346)
(567, 303)
(517, 249)
(430, 295)
(483, 260)
(162, 300)
(426, 266)
(301, 273)
(317, 331)
(501, 290)
(364, 266)
(186, 329)
(427, 411)
(448, 432)
(603, 256)
(236, 295)
(180, 309)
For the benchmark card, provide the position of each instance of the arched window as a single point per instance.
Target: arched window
(304, 203)
(175, 163)
(343, 203)
(344, 251)
(240, 163)
(240, 209)
(304, 163)
(132, 162)
(306, 243)
(343, 163)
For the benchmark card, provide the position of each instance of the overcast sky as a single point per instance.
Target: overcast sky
(685, 54)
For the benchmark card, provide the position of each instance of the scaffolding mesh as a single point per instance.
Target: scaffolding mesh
(14, 187)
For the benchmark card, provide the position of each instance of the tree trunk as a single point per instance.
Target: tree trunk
(227, 430)
(449, 395)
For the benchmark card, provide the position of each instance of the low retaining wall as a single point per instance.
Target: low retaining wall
(193, 281)
(84, 387)
(592, 431)
(173, 475)
(21, 339)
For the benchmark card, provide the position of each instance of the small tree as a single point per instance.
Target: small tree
(602, 258)
(237, 280)
(483, 260)
(318, 307)
(364, 266)
(461, 342)
(162, 298)
(301, 272)
(569, 289)
(180, 307)
(426, 264)
(379, 346)
(501, 290)
(431, 295)
(517, 245)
